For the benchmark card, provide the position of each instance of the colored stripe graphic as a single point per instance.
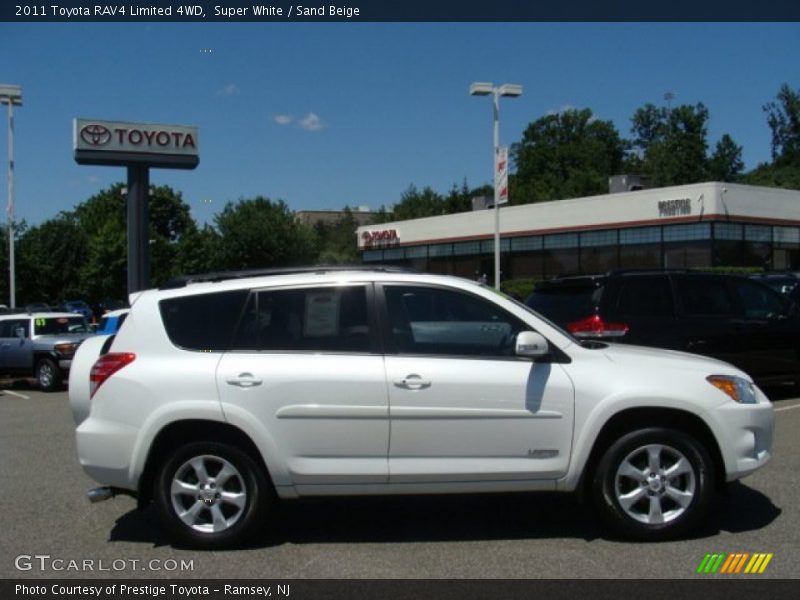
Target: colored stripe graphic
(735, 563)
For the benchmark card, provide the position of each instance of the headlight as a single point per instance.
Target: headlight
(738, 389)
(65, 348)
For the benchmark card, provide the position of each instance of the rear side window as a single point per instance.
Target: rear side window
(645, 297)
(566, 303)
(204, 322)
(323, 319)
(706, 297)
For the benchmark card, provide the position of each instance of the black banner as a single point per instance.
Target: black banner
(415, 589)
(294, 11)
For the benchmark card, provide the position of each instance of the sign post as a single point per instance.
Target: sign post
(139, 147)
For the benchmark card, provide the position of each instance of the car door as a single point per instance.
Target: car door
(306, 365)
(710, 321)
(772, 328)
(463, 407)
(18, 349)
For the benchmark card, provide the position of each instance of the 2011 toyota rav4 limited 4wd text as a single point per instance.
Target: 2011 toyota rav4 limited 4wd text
(223, 393)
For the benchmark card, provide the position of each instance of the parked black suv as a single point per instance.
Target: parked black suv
(729, 317)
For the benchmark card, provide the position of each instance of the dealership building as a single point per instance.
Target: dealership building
(689, 226)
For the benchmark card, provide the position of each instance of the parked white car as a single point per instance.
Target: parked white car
(228, 392)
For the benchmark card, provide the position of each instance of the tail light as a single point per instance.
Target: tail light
(106, 366)
(594, 326)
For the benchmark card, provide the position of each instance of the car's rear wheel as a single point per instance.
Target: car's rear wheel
(654, 484)
(212, 495)
(48, 375)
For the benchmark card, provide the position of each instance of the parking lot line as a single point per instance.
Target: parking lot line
(17, 394)
(782, 408)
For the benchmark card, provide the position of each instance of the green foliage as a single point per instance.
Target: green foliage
(565, 155)
(259, 233)
(336, 242)
(775, 175)
(726, 163)
(673, 144)
(783, 118)
(519, 288)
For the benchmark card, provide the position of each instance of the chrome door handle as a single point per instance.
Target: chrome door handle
(412, 382)
(244, 380)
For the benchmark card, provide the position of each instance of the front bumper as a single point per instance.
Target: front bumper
(745, 434)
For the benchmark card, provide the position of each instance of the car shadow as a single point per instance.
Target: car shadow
(407, 519)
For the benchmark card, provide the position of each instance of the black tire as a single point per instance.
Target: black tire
(681, 491)
(205, 503)
(48, 375)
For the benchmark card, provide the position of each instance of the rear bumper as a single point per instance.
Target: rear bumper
(105, 449)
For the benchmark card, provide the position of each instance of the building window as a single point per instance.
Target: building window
(417, 252)
(640, 235)
(728, 231)
(685, 233)
(758, 233)
(786, 235)
(440, 250)
(393, 253)
(373, 255)
(521, 244)
(465, 248)
(487, 246)
(561, 240)
(598, 238)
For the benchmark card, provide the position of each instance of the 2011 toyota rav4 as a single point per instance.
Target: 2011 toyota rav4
(223, 393)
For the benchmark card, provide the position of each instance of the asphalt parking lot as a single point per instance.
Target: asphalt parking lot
(45, 513)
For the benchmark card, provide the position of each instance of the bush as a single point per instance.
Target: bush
(519, 288)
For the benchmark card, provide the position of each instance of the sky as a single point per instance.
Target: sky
(329, 115)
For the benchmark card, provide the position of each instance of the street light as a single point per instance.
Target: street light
(510, 90)
(12, 96)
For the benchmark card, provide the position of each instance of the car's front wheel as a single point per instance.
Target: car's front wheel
(654, 484)
(48, 375)
(212, 495)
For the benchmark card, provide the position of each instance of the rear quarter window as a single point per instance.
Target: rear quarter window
(204, 322)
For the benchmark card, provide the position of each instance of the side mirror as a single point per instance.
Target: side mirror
(531, 344)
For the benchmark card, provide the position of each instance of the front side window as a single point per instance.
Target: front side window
(436, 321)
(324, 319)
(759, 301)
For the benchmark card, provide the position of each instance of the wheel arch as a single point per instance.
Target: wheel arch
(178, 433)
(632, 419)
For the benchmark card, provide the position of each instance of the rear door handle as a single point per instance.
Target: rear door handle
(412, 382)
(244, 380)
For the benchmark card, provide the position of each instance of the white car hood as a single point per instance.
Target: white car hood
(669, 359)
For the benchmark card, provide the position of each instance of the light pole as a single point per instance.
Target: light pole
(510, 90)
(12, 96)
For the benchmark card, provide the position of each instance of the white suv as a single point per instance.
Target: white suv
(221, 394)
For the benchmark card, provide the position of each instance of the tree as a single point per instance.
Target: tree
(49, 260)
(783, 118)
(259, 232)
(726, 163)
(415, 204)
(672, 143)
(565, 155)
(198, 251)
(336, 242)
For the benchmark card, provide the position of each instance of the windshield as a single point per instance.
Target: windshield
(59, 325)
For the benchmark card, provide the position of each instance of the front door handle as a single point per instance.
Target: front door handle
(412, 382)
(244, 380)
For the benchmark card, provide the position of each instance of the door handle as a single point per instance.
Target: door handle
(244, 380)
(412, 382)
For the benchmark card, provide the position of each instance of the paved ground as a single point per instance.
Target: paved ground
(44, 511)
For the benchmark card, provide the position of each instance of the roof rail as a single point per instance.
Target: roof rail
(183, 280)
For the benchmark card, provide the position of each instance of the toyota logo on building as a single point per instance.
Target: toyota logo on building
(96, 135)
